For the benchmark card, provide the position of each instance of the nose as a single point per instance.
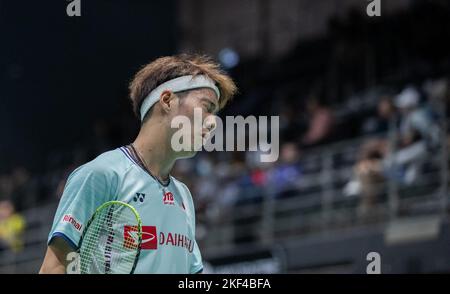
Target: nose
(210, 123)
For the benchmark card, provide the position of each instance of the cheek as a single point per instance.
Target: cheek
(186, 108)
(197, 115)
(194, 112)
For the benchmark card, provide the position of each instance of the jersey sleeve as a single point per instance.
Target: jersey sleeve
(86, 189)
(196, 258)
(197, 264)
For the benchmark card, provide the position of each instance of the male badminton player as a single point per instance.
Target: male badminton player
(139, 173)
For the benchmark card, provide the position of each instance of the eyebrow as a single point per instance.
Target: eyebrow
(216, 105)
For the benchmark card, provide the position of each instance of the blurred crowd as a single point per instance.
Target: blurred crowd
(409, 128)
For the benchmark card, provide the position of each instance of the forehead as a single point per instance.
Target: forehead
(204, 93)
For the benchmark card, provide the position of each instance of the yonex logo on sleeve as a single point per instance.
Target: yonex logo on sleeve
(70, 219)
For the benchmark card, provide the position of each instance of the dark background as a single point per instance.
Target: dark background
(58, 74)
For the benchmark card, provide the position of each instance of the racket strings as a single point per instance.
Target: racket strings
(110, 244)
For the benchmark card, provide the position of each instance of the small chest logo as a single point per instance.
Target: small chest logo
(139, 197)
(168, 198)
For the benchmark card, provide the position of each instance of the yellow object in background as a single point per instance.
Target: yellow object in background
(11, 231)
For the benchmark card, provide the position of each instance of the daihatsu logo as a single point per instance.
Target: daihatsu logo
(149, 239)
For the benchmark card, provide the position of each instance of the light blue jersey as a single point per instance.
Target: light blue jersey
(167, 212)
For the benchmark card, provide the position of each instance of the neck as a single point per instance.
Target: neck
(153, 145)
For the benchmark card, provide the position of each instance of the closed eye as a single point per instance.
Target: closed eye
(210, 106)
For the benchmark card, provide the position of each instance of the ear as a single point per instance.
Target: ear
(166, 99)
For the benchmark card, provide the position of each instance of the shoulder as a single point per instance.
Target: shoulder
(184, 190)
(187, 198)
(107, 166)
(181, 186)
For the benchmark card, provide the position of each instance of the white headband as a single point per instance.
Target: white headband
(177, 85)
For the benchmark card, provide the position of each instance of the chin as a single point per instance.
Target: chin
(186, 154)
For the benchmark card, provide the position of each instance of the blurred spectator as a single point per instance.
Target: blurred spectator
(369, 176)
(379, 124)
(12, 226)
(320, 123)
(418, 134)
(285, 176)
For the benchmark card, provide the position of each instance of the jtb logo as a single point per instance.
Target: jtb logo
(149, 239)
(168, 198)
